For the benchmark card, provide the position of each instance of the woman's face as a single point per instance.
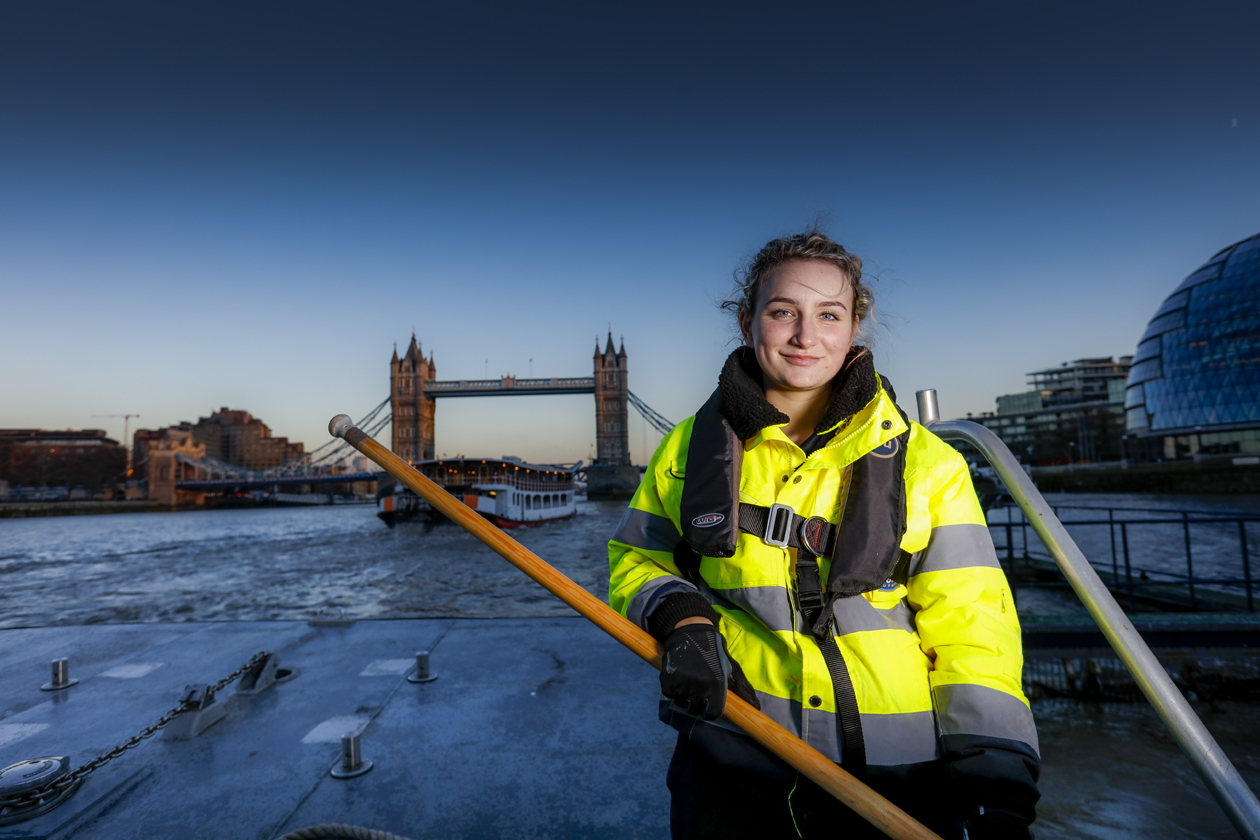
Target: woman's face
(802, 326)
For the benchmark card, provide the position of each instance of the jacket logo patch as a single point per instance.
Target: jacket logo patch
(707, 520)
(887, 450)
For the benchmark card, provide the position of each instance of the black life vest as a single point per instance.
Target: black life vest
(866, 549)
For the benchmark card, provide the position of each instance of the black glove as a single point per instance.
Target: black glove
(696, 671)
(997, 824)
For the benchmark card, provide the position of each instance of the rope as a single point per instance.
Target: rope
(340, 832)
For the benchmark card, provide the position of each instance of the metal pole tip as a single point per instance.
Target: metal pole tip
(339, 425)
(929, 409)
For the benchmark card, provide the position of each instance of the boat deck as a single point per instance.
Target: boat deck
(534, 728)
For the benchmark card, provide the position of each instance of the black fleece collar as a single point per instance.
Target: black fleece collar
(744, 403)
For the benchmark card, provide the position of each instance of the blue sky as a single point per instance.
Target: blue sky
(247, 205)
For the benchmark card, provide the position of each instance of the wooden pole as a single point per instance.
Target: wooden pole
(874, 808)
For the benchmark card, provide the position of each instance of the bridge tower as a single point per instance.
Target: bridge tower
(611, 476)
(412, 414)
(612, 388)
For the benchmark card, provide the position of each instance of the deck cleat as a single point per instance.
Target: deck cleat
(351, 763)
(421, 673)
(60, 676)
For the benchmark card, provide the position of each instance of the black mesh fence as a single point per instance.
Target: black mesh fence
(1209, 677)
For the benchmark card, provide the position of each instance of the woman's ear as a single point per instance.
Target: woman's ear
(745, 326)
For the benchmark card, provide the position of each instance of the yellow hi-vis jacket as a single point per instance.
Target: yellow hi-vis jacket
(935, 663)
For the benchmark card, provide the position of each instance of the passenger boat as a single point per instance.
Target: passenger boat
(506, 490)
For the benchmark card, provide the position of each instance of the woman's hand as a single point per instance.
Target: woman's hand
(697, 671)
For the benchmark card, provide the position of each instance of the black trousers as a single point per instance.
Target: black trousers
(727, 787)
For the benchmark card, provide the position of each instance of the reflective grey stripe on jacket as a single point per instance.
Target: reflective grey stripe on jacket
(965, 709)
(959, 546)
(647, 531)
(890, 739)
(774, 607)
(650, 596)
(856, 615)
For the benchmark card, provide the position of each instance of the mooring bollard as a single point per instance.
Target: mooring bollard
(351, 763)
(421, 673)
(60, 676)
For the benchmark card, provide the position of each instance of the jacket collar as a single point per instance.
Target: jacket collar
(744, 403)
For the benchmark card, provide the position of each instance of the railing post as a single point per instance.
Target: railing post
(1010, 558)
(1023, 537)
(1128, 570)
(1185, 522)
(1111, 517)
(1010, 540)
(1246, 558)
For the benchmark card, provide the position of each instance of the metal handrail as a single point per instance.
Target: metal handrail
(1222, 779)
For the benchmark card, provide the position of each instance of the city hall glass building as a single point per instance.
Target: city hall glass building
(1195, 379)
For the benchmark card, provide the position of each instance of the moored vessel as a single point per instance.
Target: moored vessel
(507, 491)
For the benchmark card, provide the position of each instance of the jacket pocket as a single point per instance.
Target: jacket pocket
(885, 599)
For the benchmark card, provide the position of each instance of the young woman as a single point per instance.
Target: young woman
(801, 542)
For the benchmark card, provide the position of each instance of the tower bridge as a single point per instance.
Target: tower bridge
(414, 390)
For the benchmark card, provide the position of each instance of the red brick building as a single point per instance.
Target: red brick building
(230, 435)
(43, 458)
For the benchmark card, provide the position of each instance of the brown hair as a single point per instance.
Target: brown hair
(810, 245)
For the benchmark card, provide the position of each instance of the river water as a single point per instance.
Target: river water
(291, 563)
(281, 563)
(1110, 770)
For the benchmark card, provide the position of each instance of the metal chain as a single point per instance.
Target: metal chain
(80, 773)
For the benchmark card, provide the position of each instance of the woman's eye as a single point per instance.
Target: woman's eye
(781, 313)
(830, 316)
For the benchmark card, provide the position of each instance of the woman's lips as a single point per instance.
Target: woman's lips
(801, 360)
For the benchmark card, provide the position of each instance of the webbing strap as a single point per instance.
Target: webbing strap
(816, 608)
(817, 613)
(755, 519)
(848, 720)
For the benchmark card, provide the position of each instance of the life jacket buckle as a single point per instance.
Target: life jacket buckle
(779, 525)
(810, 600)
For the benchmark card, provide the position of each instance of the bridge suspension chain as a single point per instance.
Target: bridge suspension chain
(654, 418)
(336, 448)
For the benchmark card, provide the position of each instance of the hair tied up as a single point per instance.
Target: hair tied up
(810, 245)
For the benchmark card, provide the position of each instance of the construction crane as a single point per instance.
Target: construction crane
(126, 438)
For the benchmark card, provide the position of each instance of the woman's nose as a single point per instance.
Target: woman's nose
(806, 334)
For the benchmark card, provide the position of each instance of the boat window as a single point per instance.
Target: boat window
(527, 503)
(564, 498)
(546, 501)
(537, 502)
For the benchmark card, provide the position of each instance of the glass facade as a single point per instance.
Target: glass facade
(1075, 414)
(1196, 370)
